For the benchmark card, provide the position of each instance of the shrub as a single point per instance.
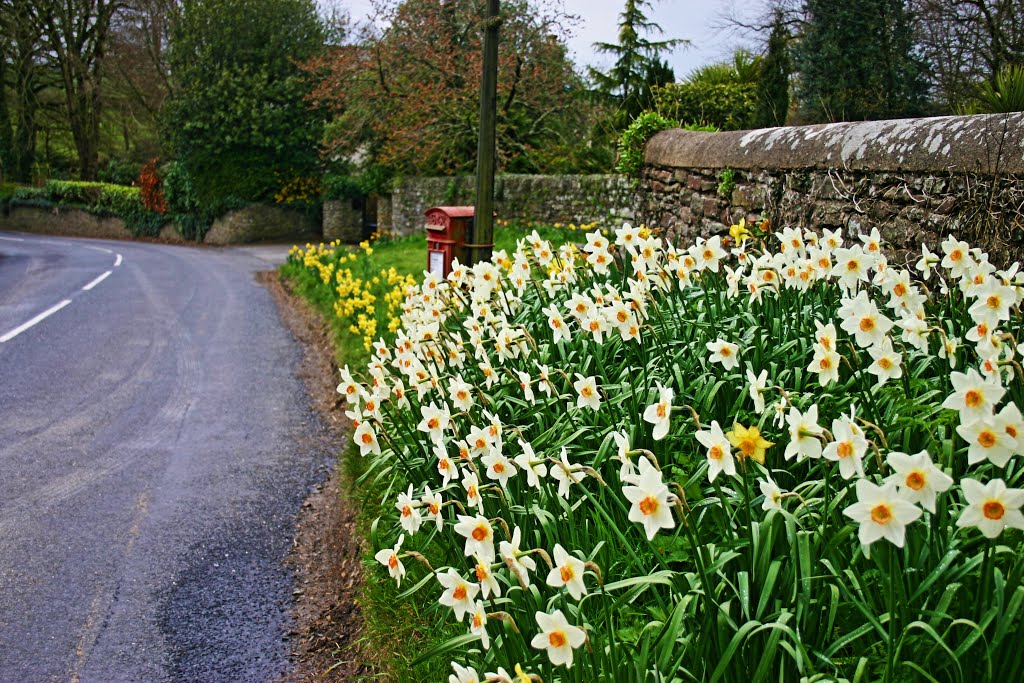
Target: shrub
(783, 459)
(73, 192)
(634, 139)
(183, 203)
(152, 191)
(1005, 95)
(126, 203)
(299, 190)
(375, 179)
(6, 194)
(727, 106)
(119, 171)
(102, 199)
(31, 196)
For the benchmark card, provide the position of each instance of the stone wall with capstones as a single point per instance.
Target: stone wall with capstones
(916, 180)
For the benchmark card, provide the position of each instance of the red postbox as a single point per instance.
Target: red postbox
(447, 230)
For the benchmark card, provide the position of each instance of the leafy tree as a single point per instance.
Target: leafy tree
(967, 42)
(856, 61)
(638, 66)
(138, 83)
(75, 34)
(21, 54)
(773, 84)
(236, 119)
(723, 96)
(744, 69)
(407, 97)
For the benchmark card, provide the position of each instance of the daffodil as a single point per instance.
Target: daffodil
(887, 363)
(458, 593)
(659, 413)
(748, 442)
(719, 451)
(366, 439)
(650, 500)
(518, 563)
(568, 572)
(587, 395)
(804, 431)
(478, 623)
(533, 466)
(847, 448)
(463, 674)
(917, 478)
(409, 512)
(435, 421)
(991, 507)
(739, 231)
(499, 467)
(557, 637)
(479, 536)
(724, 352)
(432, 503)
(987, 439)
(565, 473)
(757, 386)
(772, 494)
(973, 396)
(881, 513)
(389, 558)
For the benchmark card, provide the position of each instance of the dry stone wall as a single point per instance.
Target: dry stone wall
(537, 198)
(914, 179)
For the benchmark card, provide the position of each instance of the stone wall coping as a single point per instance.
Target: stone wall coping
(990, 143)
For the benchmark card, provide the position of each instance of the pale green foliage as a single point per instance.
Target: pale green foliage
(634, 140)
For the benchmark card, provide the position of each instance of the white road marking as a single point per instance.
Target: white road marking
(105, 251)
(39, 318)
(117, 261)
(12, 239)
(98, 280)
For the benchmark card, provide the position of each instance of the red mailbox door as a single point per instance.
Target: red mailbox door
(447, 227)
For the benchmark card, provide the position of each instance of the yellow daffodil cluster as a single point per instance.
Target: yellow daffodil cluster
(363, 300)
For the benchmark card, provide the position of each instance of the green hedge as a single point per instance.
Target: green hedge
(727, 106)
(102, 199)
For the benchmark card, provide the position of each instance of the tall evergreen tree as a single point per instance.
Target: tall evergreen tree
(855, 60)
(638, 64)
(773, 85)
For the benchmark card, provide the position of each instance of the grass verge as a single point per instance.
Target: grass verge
(396, 628)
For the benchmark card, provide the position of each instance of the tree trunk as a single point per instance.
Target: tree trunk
(6, 138)
(78, 38)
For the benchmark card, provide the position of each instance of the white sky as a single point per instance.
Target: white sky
(688, 19)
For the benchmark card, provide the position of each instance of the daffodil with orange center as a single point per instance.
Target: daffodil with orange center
(748, 442)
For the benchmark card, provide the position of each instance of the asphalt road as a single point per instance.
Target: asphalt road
(155, 447)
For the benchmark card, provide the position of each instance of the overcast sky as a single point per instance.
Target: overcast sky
(692, 20)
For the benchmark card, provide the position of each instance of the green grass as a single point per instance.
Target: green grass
(395, 628)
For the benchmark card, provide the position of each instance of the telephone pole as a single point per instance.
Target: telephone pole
(482, 238)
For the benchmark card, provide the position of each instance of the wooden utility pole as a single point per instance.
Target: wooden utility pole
(482, 238)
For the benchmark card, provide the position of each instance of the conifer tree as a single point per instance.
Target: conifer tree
(773, 85)
(638, 64)
(855, 61)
